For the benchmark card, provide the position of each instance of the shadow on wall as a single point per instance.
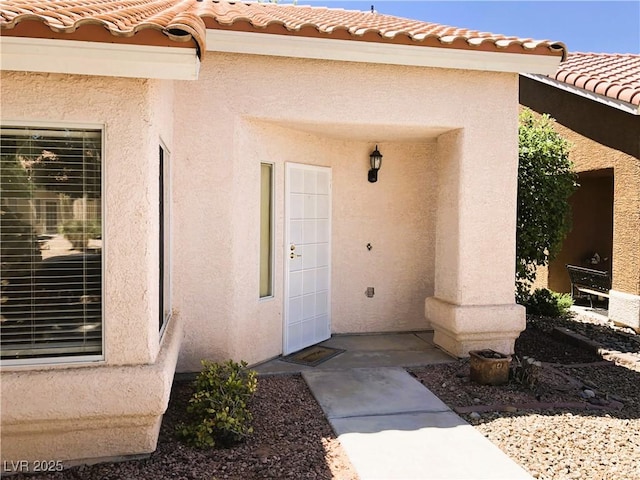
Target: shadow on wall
(590, 241)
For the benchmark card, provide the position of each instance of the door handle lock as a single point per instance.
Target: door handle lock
(293, 255)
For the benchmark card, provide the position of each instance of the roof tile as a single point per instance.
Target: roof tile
(613, 75)
(184, 20)
(626, 94)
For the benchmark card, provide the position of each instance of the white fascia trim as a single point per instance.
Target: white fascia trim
(596, 97)
(93, 58)
(371, 52)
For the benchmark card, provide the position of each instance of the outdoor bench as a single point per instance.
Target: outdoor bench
(589, 281)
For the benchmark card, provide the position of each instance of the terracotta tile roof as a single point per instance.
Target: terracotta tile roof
(612, 75)
(121, 18)
(187, 20)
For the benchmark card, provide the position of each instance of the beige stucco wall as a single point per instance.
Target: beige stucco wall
(440, 220)
(116, 404)
(248, 109)
(473, 306)
(395, 215)
(135, 114)
(81, 413)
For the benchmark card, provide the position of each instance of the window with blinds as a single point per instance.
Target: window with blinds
(50, 243)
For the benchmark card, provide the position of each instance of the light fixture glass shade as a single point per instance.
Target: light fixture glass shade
(376, 159)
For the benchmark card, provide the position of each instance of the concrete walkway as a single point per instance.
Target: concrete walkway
(393, 428)
(390, 425)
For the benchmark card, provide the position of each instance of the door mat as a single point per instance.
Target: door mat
(312, 356)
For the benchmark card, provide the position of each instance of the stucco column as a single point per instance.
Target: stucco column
(473, 306)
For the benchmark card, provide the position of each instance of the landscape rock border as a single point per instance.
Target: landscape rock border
(579, 340)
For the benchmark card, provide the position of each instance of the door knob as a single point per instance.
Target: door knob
(293, 255)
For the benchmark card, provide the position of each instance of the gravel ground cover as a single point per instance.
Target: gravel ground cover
(581, 421)
(291, 440)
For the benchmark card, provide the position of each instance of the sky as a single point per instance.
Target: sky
(583, 26)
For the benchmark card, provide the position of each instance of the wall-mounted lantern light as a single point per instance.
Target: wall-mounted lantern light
(375, 158)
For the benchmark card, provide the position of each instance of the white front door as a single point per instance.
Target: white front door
(307, 299)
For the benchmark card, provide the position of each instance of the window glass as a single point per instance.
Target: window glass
(50, 243)
(266, 230)
(165, 245)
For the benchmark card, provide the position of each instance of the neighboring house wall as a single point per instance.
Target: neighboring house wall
(592, 229)
(603, 138)
(113, 407)
(49, 211)
(248, 109)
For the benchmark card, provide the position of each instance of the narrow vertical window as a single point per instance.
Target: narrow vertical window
(165, 232)
(266, 230)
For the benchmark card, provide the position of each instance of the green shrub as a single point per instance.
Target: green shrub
(545, 303)
(218, 409)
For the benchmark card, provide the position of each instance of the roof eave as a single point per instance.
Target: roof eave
(95, 58)
(381, 53)
(610, 102)
(181, 63)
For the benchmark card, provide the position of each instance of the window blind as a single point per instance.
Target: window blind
(50, 242)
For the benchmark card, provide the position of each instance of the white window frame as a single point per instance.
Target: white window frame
(76, 359)
(167, 237)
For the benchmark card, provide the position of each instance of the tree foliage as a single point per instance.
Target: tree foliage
(61, 162)
(18, 240)
(545, 182)
(18, 246)
(66, 165)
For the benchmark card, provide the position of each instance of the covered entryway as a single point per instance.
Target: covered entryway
(307, 256)
(590, 241)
